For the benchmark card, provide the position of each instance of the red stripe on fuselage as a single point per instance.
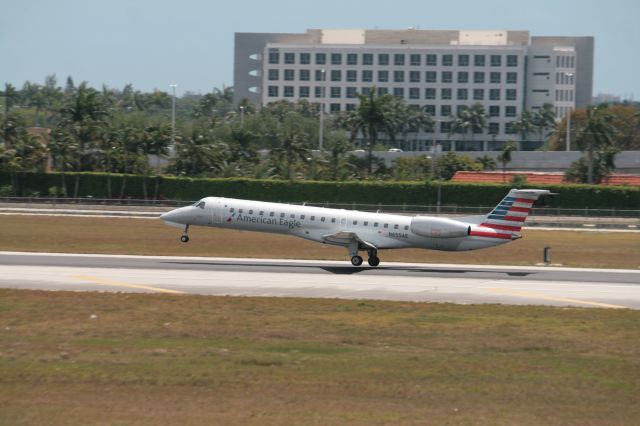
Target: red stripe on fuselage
(490, 235)
(501, 227)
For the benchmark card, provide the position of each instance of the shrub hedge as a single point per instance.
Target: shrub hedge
(361, 192)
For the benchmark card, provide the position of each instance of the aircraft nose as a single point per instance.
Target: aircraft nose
(176, 215)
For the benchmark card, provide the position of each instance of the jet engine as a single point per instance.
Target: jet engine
(436, 227)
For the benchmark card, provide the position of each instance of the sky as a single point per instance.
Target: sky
(154, 43)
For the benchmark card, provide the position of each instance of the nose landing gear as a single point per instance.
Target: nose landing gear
(185, 237)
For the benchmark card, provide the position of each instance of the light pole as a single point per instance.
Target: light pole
(173, 116)
(242, 116)
(321, 129)
(568, 138)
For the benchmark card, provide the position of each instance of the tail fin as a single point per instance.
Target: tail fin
(513, 210)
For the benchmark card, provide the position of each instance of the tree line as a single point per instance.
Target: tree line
(79, 128)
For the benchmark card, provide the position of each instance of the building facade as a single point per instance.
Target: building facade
(441, 71)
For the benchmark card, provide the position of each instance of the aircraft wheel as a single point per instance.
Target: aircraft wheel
(184, 238)
(374, 261)
(356, 261)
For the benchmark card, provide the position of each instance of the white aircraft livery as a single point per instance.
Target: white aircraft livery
(362, 231)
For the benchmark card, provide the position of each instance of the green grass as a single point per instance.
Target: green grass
(164, 359)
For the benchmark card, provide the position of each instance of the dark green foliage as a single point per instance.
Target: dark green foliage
(371, 192)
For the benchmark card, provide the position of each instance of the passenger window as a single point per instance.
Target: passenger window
(333, 220)
(271, 214)
(355, 222)
(322, 219)
(240, 211)
(301, 216)
(386, 225)
(261, 213)
(250, 211)
(375, 224)
(395, 226)
(281, 214)
(366, 223)
(293, 216)
(406, 227)
(312, 218)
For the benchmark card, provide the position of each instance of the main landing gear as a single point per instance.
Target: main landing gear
(185, 237)
(373, 259)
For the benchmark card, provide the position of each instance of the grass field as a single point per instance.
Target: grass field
(90, 358)
(153, 237)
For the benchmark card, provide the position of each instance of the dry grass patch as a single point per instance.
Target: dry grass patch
(153, 237)
(162, 359)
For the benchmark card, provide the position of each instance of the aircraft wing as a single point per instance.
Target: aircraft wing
(346, 238)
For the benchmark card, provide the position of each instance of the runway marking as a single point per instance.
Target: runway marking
(512, 292)
(104, 281)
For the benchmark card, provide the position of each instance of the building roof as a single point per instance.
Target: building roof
(542, 178)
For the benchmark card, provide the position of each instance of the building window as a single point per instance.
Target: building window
(366, 91)
(445, 94)
(352, 59)
(398, 59)
(510, 111)
(274, 57)
(351, 92)
(382, 91)
(304, 91)
(383, 59)
(336, 59)
(273, 75)
(273, 91)
(352, 75)
(494, 128)
(288, 91)
(350, 107)
(445, 126)
(478, 77)
(495, 78)
(510, 128)
(335, 92)
(511, 94)
(414, 76)
(430, 76)
(494, 111)
(321, 58)
(415, 60)
(447, 60)
(336, 75)
(319, 91)
(432, 60)
(494, 94)
(478, 94)
(463, 94)
(430, 93)
(289, 75)
(334, 108)
(463, 60)
(447, 77)
(305, 58)
(289, 58)
(496, 60)
(398, 76)
(414, 93)
(367, 59)
(430, 110)
(305, 75)
(383, 76)
(512, 60)
(319, 75)
(512, 77)
(367, 75)
(463, 77)
(478, 60)
(398, 91)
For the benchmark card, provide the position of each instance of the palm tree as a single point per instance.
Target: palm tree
(412, 119)
(505, 156)
(294, 144)
(477, 117)
(486, 162)
(11, 97)
(544, 119)
(156, 142)
(338, 147)
(596, 135)
(524, 124)
(374, 115)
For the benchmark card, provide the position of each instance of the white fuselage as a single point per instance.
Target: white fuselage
(382, 230)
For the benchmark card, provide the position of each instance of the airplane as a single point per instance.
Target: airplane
(362, 231)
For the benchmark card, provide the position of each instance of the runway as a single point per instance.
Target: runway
(465, 284)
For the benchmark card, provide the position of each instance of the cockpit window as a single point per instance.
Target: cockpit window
(200, 204)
